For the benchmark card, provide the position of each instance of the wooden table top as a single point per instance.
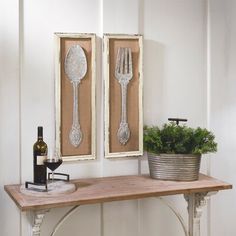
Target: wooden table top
(108, 189)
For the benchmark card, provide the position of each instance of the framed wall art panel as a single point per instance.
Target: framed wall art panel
(123, 65)
(75, 96)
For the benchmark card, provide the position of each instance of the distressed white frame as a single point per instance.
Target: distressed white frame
(58, 63)
(106, 67)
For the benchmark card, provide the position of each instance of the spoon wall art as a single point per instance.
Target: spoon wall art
(75, 104)
(75, 69)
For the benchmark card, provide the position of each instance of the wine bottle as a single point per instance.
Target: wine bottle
(40, 150)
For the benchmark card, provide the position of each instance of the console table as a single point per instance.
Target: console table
(118, 188)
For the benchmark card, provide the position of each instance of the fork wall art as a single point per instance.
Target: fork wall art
(75, 95)
(123, 55)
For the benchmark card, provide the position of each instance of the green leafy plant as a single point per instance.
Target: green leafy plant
(178, 139)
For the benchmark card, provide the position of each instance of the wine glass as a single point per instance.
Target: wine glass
(53, 161)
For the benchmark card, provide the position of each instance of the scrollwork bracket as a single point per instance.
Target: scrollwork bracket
(196, 202)
(37, 220)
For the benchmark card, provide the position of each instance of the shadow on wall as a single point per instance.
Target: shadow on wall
(154, 73)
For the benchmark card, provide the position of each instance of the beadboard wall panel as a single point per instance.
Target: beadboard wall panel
(9, 113)
(174, 85)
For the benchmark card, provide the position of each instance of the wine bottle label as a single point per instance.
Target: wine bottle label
(40, 160)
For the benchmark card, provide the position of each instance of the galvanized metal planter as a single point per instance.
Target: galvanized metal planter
(179, 167)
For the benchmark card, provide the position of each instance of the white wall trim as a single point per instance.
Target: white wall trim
(21, 33)
(208, 67)
(208, 54)
(21, 37)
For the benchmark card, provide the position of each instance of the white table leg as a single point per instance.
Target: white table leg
(38, 217)
(196, 201)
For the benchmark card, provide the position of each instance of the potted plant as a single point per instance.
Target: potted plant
(174, 151)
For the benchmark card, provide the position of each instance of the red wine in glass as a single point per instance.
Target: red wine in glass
(53, 161)
(53, 164)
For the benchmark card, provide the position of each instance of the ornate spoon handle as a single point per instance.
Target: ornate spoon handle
(76, 134)
(123, 132)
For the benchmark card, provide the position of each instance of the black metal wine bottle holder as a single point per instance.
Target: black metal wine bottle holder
(59, 174)
(44, 187)
(36, 186)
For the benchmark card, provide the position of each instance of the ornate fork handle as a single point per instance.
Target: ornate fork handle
(123, 132)
(75, 132)
(123, 73)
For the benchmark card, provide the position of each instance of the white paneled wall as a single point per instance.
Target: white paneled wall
(223, 111)
(175, 61)
(9, 114)
(175, 84)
